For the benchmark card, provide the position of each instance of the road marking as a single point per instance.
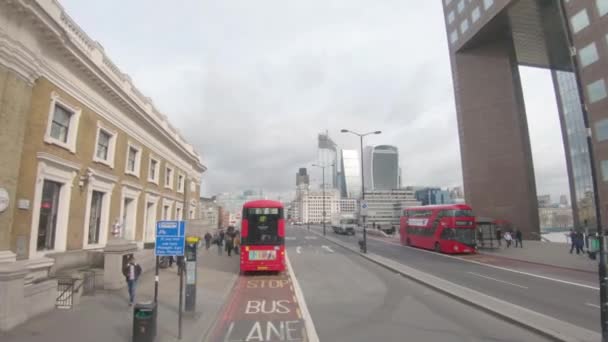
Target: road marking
(310, 326)
(327, 248)
(310, 237)
(290, 238)
(494, 266)
(498, 280)
(299, 249)
(593, 305)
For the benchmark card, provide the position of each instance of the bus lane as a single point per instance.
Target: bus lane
(261, 308)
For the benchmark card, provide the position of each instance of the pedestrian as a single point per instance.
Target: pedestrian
(208, 238)
(580, 242)
(237, 244)
(572, 240)
(170, 261)
(229, 244)
(220, 242)
(131, 271)
(508, 239)
(499, 236)
(518, 238)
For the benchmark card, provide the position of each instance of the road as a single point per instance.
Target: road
(564, 301)
(352, 299)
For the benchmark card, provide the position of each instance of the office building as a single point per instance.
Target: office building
(85, 158)
(302, 177)
(544, 201)
(350, 174)
(209, 213)
(312, 205)
(430, 196)
(386, 206)
(381, 167)
(348, 206)
(328, 156)
(487, 41)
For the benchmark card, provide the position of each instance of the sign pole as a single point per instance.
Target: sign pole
(156, 280)
(181, 295)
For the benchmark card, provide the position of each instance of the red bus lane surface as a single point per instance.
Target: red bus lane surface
(261, 308)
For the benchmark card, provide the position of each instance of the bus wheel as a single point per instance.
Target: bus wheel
(437, 247)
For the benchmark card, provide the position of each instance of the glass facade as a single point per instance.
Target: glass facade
(578, 153)
(351, 173)
(385, 168)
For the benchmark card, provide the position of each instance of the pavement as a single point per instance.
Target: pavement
(566, 300)
(106, 316)
(353, 299)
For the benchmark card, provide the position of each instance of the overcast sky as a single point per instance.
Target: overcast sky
(251, 83)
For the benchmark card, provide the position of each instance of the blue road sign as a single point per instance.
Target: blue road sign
(170, 238)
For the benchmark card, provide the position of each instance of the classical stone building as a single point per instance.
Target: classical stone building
(82, 153)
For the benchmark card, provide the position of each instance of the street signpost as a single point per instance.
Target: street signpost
(171, 241)
(363, 208)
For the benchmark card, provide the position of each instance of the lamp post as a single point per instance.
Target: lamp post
(360, 135)
(323, 188)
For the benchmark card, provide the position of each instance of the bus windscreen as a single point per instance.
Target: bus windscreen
(263, 226)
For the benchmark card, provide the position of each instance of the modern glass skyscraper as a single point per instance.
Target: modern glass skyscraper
(328, 155)
(381, 167)
(350, 174)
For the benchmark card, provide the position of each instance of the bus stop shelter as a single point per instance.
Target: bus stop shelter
(486, 231)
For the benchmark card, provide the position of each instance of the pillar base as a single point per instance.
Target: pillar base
(12, 280)
(114, 254)
(7, 256)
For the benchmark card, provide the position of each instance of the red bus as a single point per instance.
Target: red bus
(263, 236)
(443, 228)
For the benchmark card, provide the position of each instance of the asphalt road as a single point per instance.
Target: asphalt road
(570, 303)
(352, 299)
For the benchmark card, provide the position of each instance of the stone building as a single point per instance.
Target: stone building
(83, 155)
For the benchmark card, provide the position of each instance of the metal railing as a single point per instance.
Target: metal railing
(65, 287)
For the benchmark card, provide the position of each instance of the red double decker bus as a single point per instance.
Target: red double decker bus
(443, 228)
(263, 236)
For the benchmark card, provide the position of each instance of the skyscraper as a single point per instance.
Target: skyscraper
(328, 155)
(381, 167)
(302, 177)
(350, 174)
(488, 40)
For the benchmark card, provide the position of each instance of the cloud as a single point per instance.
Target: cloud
(252, 83)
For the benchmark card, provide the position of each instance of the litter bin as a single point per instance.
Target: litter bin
(144, 322)
(594, 247)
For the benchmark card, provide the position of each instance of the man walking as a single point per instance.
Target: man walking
(220, 243)
(499, 236)
(518, 239)
(572, 240)
(207, 240)
(508, 238)
(131, 271)
(229, 244)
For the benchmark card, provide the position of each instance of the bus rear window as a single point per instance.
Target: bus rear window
(263, 226)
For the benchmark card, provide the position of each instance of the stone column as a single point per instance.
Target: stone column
(15, 96)
(114, 253)
(12, 302)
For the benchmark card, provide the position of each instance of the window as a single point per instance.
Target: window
(453, 36)
(460, 6)
(104, 146)
(451, 17)
(602, 7)
(475, 14)
(605, 170)
(153, 170)
(95, 217)
(165, 212)
(62, 125)
(588, 55)
(596, 91)
(169, 178)
(180, 183)
(47, 224)
(579, 21)
(487, 4)
(601, 130)
(464, 26)
(133, 159)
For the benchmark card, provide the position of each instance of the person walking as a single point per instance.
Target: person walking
(220, 243)
(131, 271)
(518, 239)
(508, 238)
(580, 242)
(499, 236)
(237, 244)
(229, 244)
(572, 240)
(208, 238)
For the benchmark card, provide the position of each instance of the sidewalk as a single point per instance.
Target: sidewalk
(106, 316)
(546, 253)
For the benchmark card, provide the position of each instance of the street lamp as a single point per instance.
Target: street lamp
(324, 213)
(364, 247)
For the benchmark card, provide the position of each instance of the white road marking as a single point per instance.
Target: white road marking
(310, 237)
(494, 266)
(310, 326)
(290, 238)
(299, 249)
(498, 280)
(327, 248)
(593, 305)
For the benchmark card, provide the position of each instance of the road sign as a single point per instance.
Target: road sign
(170, 238)
(363, 208)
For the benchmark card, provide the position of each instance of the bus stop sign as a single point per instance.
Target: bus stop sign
(363, 208)
(170, 238)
